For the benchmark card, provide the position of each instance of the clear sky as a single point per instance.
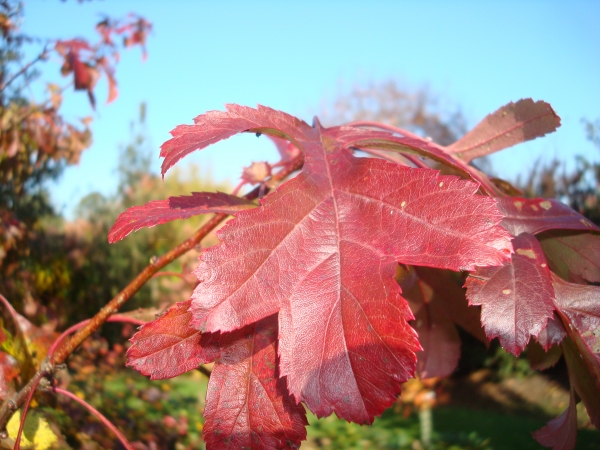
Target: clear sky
(294, 55)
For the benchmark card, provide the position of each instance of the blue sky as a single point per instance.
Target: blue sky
(294, 56)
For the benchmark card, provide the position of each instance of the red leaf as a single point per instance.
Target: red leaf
(573, 256)
(215, 126)
(437, 333)
(168, 346)
(158, 212)
(581, 304)
(322, 251)
(554, 332)
(540, 358)
(508, 126)
(540, 214)
(560, 433)
(516, 299)
(584, 373)
(444, 283)
(247, 404)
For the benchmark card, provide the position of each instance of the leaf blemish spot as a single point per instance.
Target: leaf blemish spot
(544, 265)
(535, 208)
(402, 205)
(526, 252)
(441, 184)
(518, 205)
(506, 291)
(546, 205)
(585, 222)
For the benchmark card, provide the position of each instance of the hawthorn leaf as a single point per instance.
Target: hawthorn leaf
(158, 212)
(437, 334)
(510, 125)
(540, 358)
(561, 432)
(322, 250)
(581, 304)
(445, 285)
(215, 126)
(168, 346)
(516, 299)
(523, 215)
(247, 404)
(573, 256)
(584, 374)
(554, 332)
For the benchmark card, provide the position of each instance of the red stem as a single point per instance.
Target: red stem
(78, 326)
(488, 186)
(383, 126)
(99, 415)
(36, 381)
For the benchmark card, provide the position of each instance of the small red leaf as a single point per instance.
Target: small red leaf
(510, 125)
(541, 359)
(573, 256)
(554, 332)
(437, 333)
(444, 283)
(247, 404)
(158, 212)
(560, 433)
(584, 373)
(168, 346)
(540, 214)
(581, 304)
(517, 299)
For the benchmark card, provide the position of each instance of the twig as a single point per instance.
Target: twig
(24, 69)
(99, 415)
(80, 325)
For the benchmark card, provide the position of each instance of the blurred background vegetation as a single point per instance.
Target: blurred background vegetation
(57, 272)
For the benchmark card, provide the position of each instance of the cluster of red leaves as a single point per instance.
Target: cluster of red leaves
(299, 302)
(87, 62)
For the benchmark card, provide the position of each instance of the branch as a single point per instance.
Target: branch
(117, 302)
(24, 69)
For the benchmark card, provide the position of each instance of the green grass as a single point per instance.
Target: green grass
(455, 428)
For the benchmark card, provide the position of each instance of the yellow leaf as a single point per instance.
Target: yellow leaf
(37, 434)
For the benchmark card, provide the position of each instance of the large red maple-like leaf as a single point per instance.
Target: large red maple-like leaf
(322, 250)
(247, 404)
